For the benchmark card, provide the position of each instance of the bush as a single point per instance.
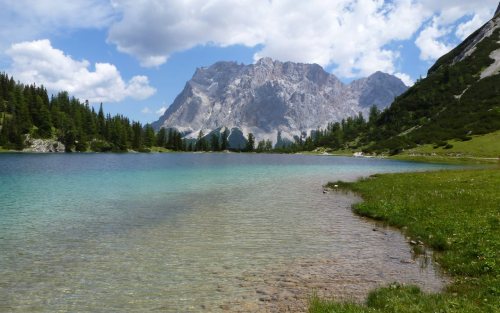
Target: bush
(100, 146)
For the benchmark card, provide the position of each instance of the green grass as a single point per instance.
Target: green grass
(485, 146)
(445, 159)
(456, 213)
(160, 149)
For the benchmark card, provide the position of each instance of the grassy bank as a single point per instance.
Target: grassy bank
(481, 149)
(456, 213)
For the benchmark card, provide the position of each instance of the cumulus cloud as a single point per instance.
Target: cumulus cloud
(405, 78)
(466, 28)
(430, 41)
(152, 30)
(24, 20)
(434, 39)
(37, 61)
(146, 110)
(161, 111)
(350, 36)
(347, 34)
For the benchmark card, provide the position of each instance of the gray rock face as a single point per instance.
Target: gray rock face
(468, 47)
(43, 145)
(270, 97)
(379, 89)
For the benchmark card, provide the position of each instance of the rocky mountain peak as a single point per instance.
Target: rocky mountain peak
(271, 96)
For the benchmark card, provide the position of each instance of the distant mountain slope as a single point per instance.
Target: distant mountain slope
(270, 97)
(459, 97)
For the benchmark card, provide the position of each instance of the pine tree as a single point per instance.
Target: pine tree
(101, 123)
(45, 122)
(149, 136)
(250, 146)
(214, 142)
(161, 138)
(137, 136)
(224, 140)
(178, 141)
(200, 142)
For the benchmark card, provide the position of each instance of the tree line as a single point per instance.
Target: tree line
(27, 111)
(429, 112)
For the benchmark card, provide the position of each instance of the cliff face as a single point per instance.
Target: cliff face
(270, 97)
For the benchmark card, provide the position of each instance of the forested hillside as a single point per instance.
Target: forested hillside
(455, 101)
(27, 111)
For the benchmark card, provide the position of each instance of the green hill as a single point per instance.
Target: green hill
(27, 112)
(455, 100)
(458, 100)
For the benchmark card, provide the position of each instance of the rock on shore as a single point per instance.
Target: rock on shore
(43, 145)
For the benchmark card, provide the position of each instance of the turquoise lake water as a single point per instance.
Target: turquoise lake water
(189, 232)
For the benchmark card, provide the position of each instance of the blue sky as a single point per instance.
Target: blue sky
(136, 56)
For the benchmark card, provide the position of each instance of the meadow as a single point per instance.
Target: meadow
(456, 214)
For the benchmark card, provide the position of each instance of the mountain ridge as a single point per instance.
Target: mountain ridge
(271, 97)
(459, 97)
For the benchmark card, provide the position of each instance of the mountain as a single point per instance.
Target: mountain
(459, 97)
(271, 97)
(379, 89)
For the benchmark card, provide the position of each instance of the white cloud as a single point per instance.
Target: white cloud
(429, 42)
(434, 40)
(349, 34)
(146, 110)
(23, 20)
(37, 61)
(468, 27)
(153, 30)
(161, 111)
(405, 78)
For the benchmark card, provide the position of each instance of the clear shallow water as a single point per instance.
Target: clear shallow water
(189, 232)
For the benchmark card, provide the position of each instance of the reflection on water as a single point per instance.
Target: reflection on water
(136, 233)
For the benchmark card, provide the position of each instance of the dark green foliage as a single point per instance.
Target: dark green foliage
(149, 136)
(224, 143)
(215, 142)
(451, 103)
(250, 146)
(201, 142)
(264, 146)
(26, 109)
(350, 133)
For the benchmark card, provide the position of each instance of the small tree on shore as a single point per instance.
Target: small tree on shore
(250, 143)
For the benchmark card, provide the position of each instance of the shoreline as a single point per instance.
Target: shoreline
(421, 158)
(291, 289)
(471, 284)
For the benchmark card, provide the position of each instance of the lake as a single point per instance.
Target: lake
(190, 233)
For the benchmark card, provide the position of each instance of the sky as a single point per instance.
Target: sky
(135, 56)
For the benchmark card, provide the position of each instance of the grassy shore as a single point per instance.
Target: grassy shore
(456, 213)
